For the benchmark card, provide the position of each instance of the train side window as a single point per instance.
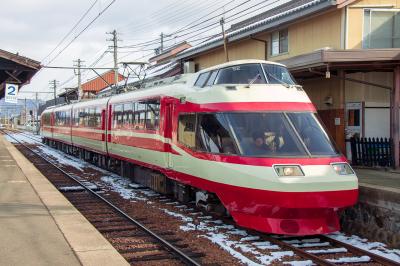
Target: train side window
(82, 117)
(212, 77)
(76, 118)
(127, 114)
(68, 118)
(213, 134)
(98, 117)
(135, 120)
(201, 80)
(118, 119)
(152, 114)
(140, 114)
(187, 130)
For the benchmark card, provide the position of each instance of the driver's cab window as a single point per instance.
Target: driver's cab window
(241, 74)
(187, 130)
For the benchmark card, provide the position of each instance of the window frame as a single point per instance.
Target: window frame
(208, 73)
(263, 76)
(290, 123)
(374, 9)
(195, 130)
(278, 32)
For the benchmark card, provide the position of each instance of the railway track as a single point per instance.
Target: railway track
(319, 249)
(323, 250)
(137, 243)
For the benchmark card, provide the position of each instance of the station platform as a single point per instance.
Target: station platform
(376, 216)
(38, 225)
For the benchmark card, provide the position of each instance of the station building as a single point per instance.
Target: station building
(345, 53)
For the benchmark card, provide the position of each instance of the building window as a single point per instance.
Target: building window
(381, 28)
(280, 42)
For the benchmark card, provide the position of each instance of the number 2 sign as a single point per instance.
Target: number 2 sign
(11, 93)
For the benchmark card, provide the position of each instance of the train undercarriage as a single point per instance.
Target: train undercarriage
(146, 177)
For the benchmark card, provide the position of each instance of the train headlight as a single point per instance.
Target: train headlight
(288, 170)
(343, 169)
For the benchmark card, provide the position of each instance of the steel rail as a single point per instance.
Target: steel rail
(352, 249)
(300, 252)
(359, 251)
(185, 258)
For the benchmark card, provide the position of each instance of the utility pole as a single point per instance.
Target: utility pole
(37, 114)
(161, 42)
(79, 65)
(53, 85)
(222, 21)
(25, 120)
(115, 45)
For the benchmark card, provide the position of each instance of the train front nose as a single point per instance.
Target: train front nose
(304, 205)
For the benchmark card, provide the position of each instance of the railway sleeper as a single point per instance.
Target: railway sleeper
(156, 181)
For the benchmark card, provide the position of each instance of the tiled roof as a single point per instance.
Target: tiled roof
(270, 19)
(22, 60)
(97, 84)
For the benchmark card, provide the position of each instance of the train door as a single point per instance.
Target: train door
(108, 121)
(71, 123)
(103, 130)
(169, 110)
(52, 123)
(354, 124)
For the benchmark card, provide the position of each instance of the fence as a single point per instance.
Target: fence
(371, 152)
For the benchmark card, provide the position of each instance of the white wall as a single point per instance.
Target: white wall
(377, 122)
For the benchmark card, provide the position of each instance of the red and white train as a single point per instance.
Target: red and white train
(241, 136)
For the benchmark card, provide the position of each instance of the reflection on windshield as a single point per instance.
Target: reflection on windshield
(278, 74)
(256, 134)
(264, 134)
(241, 74)
(312, 134)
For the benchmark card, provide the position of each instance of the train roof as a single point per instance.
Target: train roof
(239, 62)
(183, 86)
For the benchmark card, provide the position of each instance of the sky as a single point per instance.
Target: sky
(35, 28)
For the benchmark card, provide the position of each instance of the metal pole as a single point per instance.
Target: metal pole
(37, 114)
(79, 81)
(394, 116)
(222, 21)
(54, 91)
(25, 115)
(115, 40)
(161, 42)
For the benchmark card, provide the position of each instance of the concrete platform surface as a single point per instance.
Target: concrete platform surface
(387, 180)
(38, 225)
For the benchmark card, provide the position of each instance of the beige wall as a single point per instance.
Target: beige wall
(306, 36)
(321, 88)
(357, 92)
(355, 19)
(246, 49)
(316, 33)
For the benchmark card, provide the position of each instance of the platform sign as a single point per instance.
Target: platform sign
(11, 93)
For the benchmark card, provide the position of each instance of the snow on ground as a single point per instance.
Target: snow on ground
(215, 230)
(299, 263)
(374, 247)
(351, 259)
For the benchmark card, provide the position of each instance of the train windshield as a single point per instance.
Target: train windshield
(251, 74)
(269, 134)
(241, 74)
(277, 74)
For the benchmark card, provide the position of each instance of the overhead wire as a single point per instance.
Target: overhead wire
(182, 29)
(71, 30)
(208, 27)
(83, 30)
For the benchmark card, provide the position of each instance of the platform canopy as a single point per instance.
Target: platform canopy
(16, 69)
